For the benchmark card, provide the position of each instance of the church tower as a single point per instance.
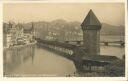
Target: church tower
(91, 34)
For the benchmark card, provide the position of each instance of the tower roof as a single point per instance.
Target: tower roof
(91, 22)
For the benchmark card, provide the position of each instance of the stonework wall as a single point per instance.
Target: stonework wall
(91, 40)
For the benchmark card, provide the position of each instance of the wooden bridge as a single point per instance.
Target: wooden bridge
(83, 62)
(106, 43)
(122, 43)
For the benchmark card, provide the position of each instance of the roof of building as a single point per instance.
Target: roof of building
(91, 22)
(29, 28)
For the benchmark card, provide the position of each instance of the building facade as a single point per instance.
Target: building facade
(17, 35)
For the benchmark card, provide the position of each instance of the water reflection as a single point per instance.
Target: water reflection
(113, 50)
(46, 63)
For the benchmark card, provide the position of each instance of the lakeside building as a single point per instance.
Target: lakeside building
(16, 34)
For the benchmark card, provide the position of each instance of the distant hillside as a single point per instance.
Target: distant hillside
(71, 26)
(112, 30)
(43, 28)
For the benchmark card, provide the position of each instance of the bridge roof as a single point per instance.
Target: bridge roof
(81, 54)
(91, 22)
(100, 58)
(59, 44)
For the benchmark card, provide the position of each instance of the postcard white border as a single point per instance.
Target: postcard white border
(63, 78)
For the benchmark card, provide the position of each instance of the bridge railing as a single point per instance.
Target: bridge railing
(79, 42)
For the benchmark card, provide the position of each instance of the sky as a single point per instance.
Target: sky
(111, 13)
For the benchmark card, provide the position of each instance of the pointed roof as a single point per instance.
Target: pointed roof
(32, 26)
(91, 21)
(29, 28)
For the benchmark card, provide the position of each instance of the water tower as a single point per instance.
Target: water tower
(91, 34)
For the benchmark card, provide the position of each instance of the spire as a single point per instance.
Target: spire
(10, 24)
(32, 28)
(91, 22)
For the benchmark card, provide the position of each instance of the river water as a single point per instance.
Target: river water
(112, 50)
(47, 63)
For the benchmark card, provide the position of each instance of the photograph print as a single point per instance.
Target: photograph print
(64, 39)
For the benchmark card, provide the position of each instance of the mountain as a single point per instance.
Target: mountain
(58, 26)
(112, 30)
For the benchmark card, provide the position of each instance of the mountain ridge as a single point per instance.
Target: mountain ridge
(62, 25)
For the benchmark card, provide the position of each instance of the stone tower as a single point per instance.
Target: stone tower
(91, 34)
